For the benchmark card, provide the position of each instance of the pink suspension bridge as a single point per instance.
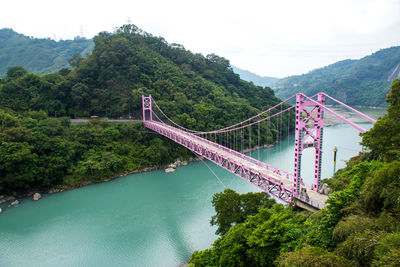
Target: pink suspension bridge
(226, 146)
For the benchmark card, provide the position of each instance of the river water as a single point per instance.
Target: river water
(147, 219)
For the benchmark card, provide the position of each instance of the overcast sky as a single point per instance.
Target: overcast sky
(271, 38)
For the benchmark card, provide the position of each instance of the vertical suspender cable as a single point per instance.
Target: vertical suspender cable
(235, 140)
(281, 128)
(230, 139)
(277, 129)
(250, 139)
(268, 134)
(258, 142)
(288, 128)
(242, 137)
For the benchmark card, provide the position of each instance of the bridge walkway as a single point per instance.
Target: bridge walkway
(269, 179)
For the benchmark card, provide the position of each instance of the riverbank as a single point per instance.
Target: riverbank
(5, 200)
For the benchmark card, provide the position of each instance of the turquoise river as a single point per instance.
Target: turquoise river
(147, 219)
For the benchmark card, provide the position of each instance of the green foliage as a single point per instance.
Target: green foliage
(387, 253)
(311, 257)
(359, 248)
(256, 242)
(38, 152)
(353, 224)
(75, 60)
(382, 190)
(356, 82)
(15, 72)
(38, 55)
(232, 208)
(341, 199)
(321, 228)
(384, 138)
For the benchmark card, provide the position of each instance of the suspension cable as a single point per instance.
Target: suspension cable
(229, 127)
(280, 142)
(258, 142)
(201, 159)
(288, 129)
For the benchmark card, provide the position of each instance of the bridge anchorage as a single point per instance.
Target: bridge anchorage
(225, 147)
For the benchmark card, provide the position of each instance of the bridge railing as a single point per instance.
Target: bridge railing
(270, 185)
(267, 166)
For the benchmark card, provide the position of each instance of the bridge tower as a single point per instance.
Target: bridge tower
(308, 134)
(146, 104)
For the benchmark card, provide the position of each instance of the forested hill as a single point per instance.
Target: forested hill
(197, 91)
(38, 55)
(202, 93)
(356, 82)
(256, 79)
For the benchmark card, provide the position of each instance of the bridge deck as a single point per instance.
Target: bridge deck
(277, 184)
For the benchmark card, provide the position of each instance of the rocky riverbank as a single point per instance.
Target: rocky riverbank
(9, 201)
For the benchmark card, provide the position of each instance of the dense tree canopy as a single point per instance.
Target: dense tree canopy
(38, 152)
(232, 208)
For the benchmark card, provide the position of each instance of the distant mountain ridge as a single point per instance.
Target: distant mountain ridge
(256, 79)
(38, 55)
(363, 82)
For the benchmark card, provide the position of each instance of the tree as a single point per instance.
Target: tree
(387, 253)
(15, 72)
(311, 257)
(256, 242)
(384, 138)
(232, 208)
(75, 60)
(80, 95)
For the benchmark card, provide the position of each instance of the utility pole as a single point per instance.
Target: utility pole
(334, 159)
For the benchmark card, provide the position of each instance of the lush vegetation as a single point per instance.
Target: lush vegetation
(38, 55)
(197, 92)
(359, 227)
(363, 82)
(38, 152)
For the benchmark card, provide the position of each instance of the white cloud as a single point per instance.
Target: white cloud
(275, 38)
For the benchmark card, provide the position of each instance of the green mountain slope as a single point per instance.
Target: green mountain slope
(38, 55)
(196, 91)
(356, 82)
(201, 92)
(256, 79)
